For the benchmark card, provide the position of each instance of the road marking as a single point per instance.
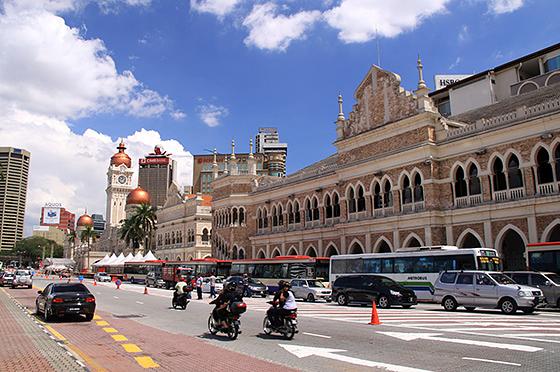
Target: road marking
(97, 317)
(131, 348)
(146, 362)
(434, 337)
(315, 335)
(119, 338)
(493, 361)
(94, 366)
(305, 351)
(55, 333)
(110, 330)
(116, 297)
(102, 323)
(139, 303)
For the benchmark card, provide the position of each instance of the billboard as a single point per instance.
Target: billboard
(160, 160)
(441, 81)
(51, 215)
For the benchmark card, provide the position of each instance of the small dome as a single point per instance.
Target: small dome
(85, 220)
(138, 196)
(121, 157)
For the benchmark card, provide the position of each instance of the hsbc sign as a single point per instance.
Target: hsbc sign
(441, 81)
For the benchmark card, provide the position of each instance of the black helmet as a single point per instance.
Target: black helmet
(231, 286)
(281, 284)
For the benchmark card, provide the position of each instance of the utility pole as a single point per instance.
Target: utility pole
(43, 257)
(52, 249)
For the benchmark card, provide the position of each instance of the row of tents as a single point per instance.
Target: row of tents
(119, 260)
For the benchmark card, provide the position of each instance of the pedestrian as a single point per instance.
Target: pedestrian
(199, 287)
(212, 286)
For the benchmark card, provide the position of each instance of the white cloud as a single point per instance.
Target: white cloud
(178, 115)
(211, 114)
(463, 34)
(61, 6)
(456, 63)
(220, 8)
(504, 6)
(360, 20)
(272, 31)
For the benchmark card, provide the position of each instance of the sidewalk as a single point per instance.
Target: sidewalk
(25, 346)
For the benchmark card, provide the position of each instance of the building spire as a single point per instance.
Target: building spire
(420, 67)
(232, 149)
(214, 158)
(226, 165)
(340, 112)
(251, 148)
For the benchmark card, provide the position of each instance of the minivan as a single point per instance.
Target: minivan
(368, 288)
(548, 283)
(485, 289)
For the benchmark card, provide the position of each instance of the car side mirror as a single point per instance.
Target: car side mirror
(40, 292)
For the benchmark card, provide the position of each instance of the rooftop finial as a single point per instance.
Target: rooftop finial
(421, 82)
(340, 112)
(215, 160)
(250, 147)
(232, 149)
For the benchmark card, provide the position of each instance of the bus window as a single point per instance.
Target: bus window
(442, 263)
(424, 265)
(298, 270)
(372, 265)
(543, 261)
(404, 265)
(339, 266)
(356, 266)
(387, 265)
(464, 262)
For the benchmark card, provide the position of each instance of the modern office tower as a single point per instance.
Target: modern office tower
(157, 172)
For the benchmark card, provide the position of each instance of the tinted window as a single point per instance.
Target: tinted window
(543, 261)
(387, 265)
(341, 282)
(502, 279)
(483, 279)
(70, 288)
(355, 282)
(520, 278)
(367, 282)
(424, 265)
(448, 277)
(537, 279)
(356, 266)
(464, 262)
(338, 266)
(404, 265)
(465, 279)
(386, 281)
(372, 265)
(442, 263)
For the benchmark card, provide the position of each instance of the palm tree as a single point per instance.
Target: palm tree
(71, 238)
(130, 233)
(88, 235)
(145, 219)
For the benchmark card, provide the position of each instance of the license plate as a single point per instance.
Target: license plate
(74, 309)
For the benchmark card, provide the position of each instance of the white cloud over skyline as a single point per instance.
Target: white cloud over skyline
(212, 114)
(504, 6)
(219, 8)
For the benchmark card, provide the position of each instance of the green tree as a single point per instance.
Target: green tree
(88, 236)
(71, 239)
(139, 227)
(31, 248)
(130, 233)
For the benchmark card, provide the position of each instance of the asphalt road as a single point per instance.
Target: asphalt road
(338, 338)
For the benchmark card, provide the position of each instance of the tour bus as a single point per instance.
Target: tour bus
(173, 271)
(544, 257)
(270, 270)
(416, 268)
(136, 272)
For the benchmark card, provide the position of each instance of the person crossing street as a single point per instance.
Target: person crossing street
(199, 287)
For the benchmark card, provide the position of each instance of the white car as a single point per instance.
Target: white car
(102, 277)
(23, 278)
(206, 285)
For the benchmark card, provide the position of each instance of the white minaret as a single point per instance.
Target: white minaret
(119, 185)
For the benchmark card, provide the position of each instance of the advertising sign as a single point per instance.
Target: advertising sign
(441, 81)
(163, 160)
(51, 216)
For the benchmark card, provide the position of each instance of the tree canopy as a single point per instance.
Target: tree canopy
(31, 248)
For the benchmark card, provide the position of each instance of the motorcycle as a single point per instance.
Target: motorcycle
(287, 326)
(181, 300)
(234, 311)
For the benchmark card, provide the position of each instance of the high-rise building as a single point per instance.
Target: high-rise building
(119, 184)
(50, 232)
(157, 171)
(53, 214)
(98, 223)
(14, 170)
(268, 143)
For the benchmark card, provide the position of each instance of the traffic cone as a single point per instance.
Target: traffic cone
(94, 283)
(146, 290)
(374, 316)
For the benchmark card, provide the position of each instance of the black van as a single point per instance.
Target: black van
(368, 288)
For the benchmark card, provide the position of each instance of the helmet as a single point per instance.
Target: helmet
(231, 286)
(287, 285)
(281, 284)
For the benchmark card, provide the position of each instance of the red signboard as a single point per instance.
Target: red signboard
(155, 160)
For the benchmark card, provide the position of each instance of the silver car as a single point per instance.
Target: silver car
(102, 277)
(310, 290)
(22, 278)
(485, 289)
(548, 283)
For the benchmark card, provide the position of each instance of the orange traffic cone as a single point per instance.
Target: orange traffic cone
(146, 290)
(94, 283)
(374, 316)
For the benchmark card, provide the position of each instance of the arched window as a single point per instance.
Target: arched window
(336, 205)
(280, 215)
(315, 211)
(544, 169)
(474, 181)
(261, 254)
(235, 216)
(356, 249)
(308, 211)
(297, 215)
(557, 160)
(274, 216)
(331, 251)
(265, 219)
(377, 197)
(241, 254)
(234, 253)
(290, 213)
(351, 200)
(514, 173)
(242, 216)
(406, 192)
(413, 243)
(387, 195)
(418, 193)
(259, 219)
(311, 252)
(460, 183)
(328, 207)
(499, 175)
(361, 199)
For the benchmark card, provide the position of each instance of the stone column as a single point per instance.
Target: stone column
(528, 180)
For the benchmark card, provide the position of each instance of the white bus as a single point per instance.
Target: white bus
(416, 268)
(544, 257)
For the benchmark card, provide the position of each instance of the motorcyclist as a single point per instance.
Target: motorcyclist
(228, 295)
(283, 303)
(182, 288)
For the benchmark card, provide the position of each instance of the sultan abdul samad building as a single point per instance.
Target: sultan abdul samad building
(476, 163)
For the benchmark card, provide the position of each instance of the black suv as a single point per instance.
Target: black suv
(368, 288)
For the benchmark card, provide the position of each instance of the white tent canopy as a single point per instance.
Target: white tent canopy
(111, 260)
(149, 256)
(129, 258)
(103, 261)
(118, 261)
(139, 257)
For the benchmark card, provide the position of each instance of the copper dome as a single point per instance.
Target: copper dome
(138, 196)
(85, 220)
(121, 157)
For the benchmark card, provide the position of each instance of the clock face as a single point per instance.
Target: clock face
(122, 179)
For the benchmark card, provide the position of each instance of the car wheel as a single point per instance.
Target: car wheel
(46, 315)
(89, 317)
(383, 302)
(470, 308)
(310, 297)
(508, 306)
(37, 311)
(29, 287)
(449, 304)
(342, 299)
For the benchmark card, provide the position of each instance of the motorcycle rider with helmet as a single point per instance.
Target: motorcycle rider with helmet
(227, 296)
(284, 303)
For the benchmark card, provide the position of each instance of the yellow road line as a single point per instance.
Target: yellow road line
(102, 323)
(146, 362)
(110, 330)
(55, 333)
(119, 338)
(90, 362)
(96, 317)
(131, 348)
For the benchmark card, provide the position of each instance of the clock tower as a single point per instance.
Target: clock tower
(119, 185)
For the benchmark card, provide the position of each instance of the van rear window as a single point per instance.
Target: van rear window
(448, 277)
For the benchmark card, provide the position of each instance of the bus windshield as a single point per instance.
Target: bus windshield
(489, 264)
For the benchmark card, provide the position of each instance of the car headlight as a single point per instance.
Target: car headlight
(395, 293)
(524, 294)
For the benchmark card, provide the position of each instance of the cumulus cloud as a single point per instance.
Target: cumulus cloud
(211, 114)
(504, 6)
(61, 6)
(272, 31)
(361, 20)
(219, 8)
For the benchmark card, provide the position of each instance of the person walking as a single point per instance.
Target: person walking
(199, 287)
(212, 286)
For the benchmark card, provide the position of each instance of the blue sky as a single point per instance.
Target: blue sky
(75, 75)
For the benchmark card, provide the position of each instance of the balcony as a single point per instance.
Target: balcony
(468, 201)
(383, 212)
(357, 216)
(413, 207)
(510, 194)
(533, 83)
(548, 188)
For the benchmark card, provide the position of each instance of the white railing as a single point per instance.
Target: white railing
(407, 208)
(467, 201)
(501, 195)
(419, 206)
(383, 212)
(516, 193)
(510, 194)
(547, 188)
